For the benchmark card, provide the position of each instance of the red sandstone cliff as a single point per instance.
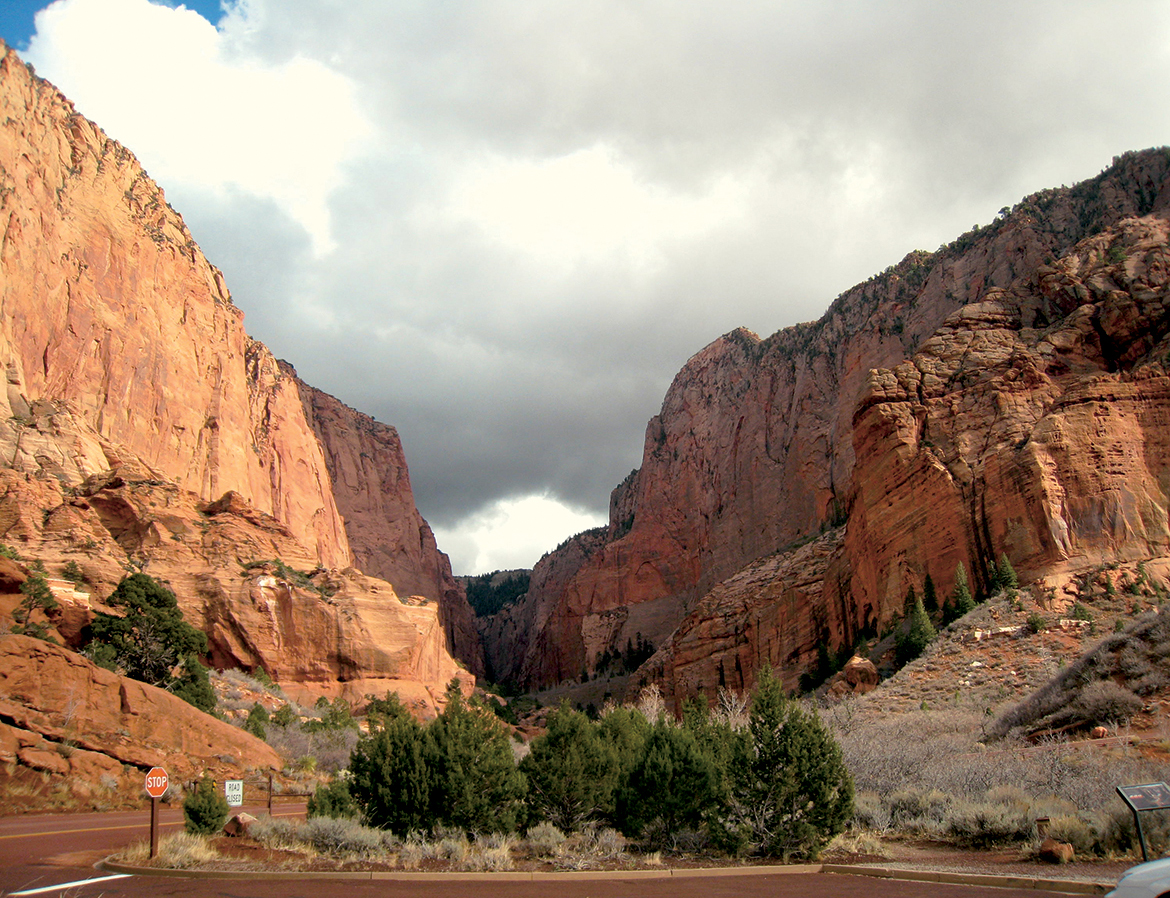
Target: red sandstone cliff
(389, 537)
(141, 428)
(757, 446)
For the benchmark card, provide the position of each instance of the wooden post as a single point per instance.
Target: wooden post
(154, 827)
(269, 791)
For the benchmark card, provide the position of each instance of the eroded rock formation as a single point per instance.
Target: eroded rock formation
(63, 716)
(762, 444)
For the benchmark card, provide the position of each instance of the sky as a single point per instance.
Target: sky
(504, 227)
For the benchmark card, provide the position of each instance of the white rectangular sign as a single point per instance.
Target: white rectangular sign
(233, 790)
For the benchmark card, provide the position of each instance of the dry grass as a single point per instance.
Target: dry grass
(178, 851)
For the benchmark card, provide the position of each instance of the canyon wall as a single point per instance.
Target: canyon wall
(389, 537)
(755, 448)
(142, 429)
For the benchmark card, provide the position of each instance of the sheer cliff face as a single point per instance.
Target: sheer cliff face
(107, 305)
(757, 445)
(389, 537)
(134, 401)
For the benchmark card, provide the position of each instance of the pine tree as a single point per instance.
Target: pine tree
(571, 771)
(929, 594)
(1006, 573)
(389, 776)
(961, 596)
(919, 634)
(794, 793)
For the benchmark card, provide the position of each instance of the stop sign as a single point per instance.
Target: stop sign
(156, 782)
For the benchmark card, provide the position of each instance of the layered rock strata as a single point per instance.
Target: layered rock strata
(755, 446)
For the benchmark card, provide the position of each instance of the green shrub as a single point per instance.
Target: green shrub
(257, 722)
(333, 799)
(205, 810)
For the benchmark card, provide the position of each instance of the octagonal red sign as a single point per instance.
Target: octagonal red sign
(156, 782)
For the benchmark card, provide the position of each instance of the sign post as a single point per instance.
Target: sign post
(156, 787)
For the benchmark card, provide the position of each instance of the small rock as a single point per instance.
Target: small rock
(239, 825)
(1054, 852)
(1099, 733)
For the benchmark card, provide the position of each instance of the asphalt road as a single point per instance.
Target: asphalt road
(54, 855)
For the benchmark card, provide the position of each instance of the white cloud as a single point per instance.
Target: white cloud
(586, 204)
(511, 533)
(160, 81)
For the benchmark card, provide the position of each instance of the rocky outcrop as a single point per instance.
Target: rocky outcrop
(754, 447)
(1035, 424)
(141, 429)
(389, 537)
(63, 716)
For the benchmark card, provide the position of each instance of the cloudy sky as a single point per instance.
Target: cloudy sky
(504, 226)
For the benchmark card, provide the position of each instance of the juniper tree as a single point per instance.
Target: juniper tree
(793, 793)
(389, 776)
(474, 781)
(571, 771)
(151, 642)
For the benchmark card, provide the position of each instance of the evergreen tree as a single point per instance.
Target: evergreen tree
(333, 799)
(793, 794)
(257, 722)
(205, 810)
(673, 785)
(389, 776)
(37, 598)
(929, 594)
(571, 771)
(150, 641)
(920, 632)
(1005, 575)
(474, 781)
(625, 731)
(961, 598)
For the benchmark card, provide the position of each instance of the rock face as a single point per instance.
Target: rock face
(389, 537)
(141, 429)
(761, 444)
(62, 715)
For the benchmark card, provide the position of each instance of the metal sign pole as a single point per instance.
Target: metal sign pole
(154, 827)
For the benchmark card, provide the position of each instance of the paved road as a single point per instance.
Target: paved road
(41, 849)
(55, 852)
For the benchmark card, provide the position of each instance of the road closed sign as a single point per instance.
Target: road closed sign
(233, 791)
(156, 782)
